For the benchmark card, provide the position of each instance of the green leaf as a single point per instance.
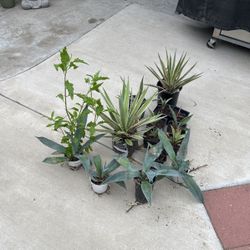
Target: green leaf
(151, 175)
(147, 190)
(78, 60)
(111, 167)
(85, 162)
(167, 145)
(193, 187)
(65, 58)
(60, 96)
(54, 160)
(122, 184)
(121, 176)
(51, 144)
(70, 88)
(168, 173)
(182, 152)
(98, 165)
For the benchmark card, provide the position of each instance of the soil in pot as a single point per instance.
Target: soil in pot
(74, 164)
(165, 95)
(150, 139)
(121, 147)
(98, 187)
(8, 3)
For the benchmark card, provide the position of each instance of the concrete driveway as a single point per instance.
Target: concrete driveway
(51, 207)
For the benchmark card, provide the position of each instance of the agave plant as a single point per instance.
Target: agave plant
(101, 171)
(126, 122)
(179, 163)
(172, 74)
(145, 175)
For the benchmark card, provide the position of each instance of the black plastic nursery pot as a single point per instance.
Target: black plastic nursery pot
(165, 95)
(121, 147)
(139, 196)
(8, 3)
(180, 113)
(153, 141)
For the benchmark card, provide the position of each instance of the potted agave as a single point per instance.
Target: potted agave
(100, 173)
(126, 124)
(178, 163)
(175, 128)
(172, 77)
(145, 176)
(74, 125)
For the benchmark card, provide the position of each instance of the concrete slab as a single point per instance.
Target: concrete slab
(52, 207)
(29, 37)
(129, 40)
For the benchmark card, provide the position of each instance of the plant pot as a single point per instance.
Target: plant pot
(99, 188)
(149, 140)
(75, 165)
(121, 147)
(8, 3)
(180, 113)
(139, 196)
(165, 95)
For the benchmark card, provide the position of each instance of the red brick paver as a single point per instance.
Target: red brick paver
(229, 211)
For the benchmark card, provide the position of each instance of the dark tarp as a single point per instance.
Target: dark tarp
(221, 14)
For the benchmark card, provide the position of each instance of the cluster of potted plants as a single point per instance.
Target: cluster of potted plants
(164, 131)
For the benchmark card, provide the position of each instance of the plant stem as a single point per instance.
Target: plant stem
(65, 95)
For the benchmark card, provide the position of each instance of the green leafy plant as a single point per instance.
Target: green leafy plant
(101, 170)
(126, 122)
(74, 125)
(172, 74)
(146, 174)
(179, 163)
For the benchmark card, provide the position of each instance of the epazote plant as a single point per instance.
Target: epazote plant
(172, 74)
(126, 123)
(74, 125)
(179, 163)
(146, 174)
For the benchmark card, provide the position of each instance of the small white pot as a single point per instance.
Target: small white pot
(75, 165)
(99, 189)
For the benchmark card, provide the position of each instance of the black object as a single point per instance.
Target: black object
(221, 14)
(180, 114)
(153, 141)
(162, 94)
(139, 196)
(121, 147)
